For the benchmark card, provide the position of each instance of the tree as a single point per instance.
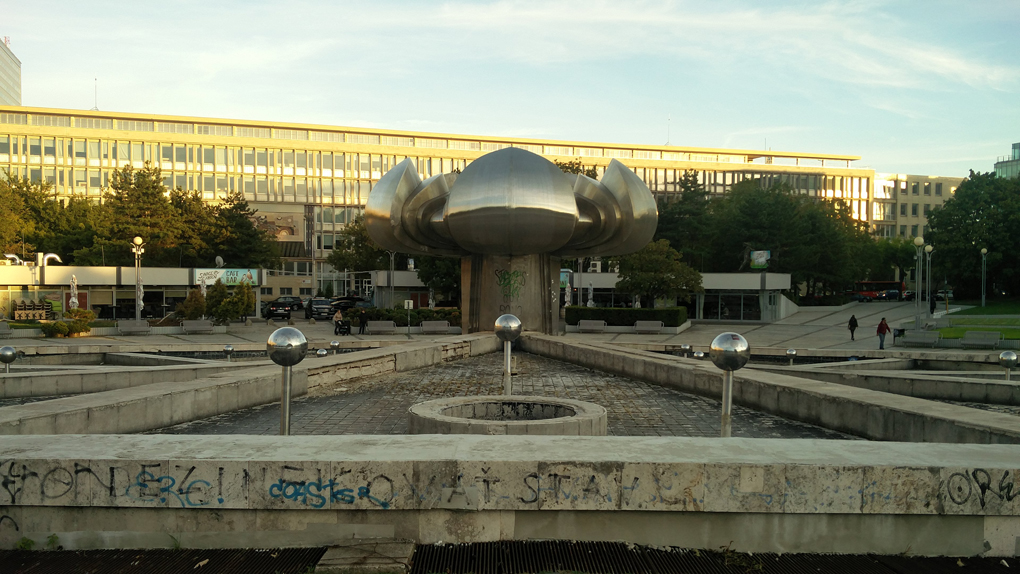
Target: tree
(15, 221)
(683, 219)
(657, 272)
(441, 274)
(193, 245)
(984, 213)
(238, 240)
(214, 297)
(245, 299)
(141, 207)
(576, 167)
(354, 250)
(193, 307)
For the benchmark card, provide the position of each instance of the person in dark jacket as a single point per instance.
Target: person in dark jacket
(362, 321)
(852, 325)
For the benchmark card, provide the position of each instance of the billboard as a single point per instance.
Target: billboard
(230, 277)
(760, 259)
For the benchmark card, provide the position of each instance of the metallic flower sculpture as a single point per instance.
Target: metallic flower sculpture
(511, 215)
(511, 202)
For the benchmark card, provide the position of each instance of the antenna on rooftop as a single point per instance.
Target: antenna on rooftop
(7, 41)
(96, 95)
(669, 118)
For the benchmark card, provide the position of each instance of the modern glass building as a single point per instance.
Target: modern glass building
(10, 76)
(1009, 166)
(308, 181)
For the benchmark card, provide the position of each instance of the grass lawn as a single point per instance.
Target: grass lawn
(989, 321)
(957, 332)
(994, 307)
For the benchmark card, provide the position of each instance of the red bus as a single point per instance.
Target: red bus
(880, 290)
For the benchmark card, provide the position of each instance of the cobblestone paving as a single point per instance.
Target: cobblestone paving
(378, 405)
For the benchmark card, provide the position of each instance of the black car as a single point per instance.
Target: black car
(282, 307)
(318, 307)
(295, 303)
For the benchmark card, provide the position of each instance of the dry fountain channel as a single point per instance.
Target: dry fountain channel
(186, 444)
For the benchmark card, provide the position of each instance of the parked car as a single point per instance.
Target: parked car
(345, 303)
(908, 295)
(942, 295)
(317, 307)
(283, 306)
(889, 295)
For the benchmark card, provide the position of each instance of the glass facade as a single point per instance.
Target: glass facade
(1009, 166)
(310, 181)
(10, 77)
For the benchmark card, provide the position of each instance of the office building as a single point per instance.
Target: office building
(902, 202)
(10, 75)
(1009, 166)
(308, 181)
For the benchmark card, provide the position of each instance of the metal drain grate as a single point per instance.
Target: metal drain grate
(159, 561)
(535, 557)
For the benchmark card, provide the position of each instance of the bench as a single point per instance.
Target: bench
(381, 327)
(648, 327)
(198, 326)
(133, 327)
(5, 330)
(980, 339)
(940, 323)
(435, 327)
(591, 326)
(921, 338)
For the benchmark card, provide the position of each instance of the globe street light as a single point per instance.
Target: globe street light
(918, 269)
(984, 265)
(729, 352)
(928, 250)
(138, 247)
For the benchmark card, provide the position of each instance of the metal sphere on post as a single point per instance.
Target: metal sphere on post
(729, 352)
(321, 353)
(335, 345)
(685, 349)
(508, 328)
(228, 350)
(1007, 360)
(699, 355)
(791, 354)
(7, 356)
(286, 347)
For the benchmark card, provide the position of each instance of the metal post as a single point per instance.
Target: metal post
(137, 247)
(727, 404)
(918, 270)
(984, 262)
(285, 401)
(507, 385)
(393, 254)
(928, 250)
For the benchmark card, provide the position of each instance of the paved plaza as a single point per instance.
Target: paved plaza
(378, 405)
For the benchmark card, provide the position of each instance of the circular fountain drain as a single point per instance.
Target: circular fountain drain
(521, 415)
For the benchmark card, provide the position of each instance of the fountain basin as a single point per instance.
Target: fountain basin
(516, 415)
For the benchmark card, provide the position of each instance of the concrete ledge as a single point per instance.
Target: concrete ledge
(768, 494)
(98, 379)
(862, 412)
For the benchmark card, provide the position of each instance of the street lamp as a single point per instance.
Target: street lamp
(984, 265)
(918, 247)
(928, 250)
(138, 247)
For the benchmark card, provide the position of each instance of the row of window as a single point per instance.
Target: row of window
(286, 291)
(915, 188)
(914, 209)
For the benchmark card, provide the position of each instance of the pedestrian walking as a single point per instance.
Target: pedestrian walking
(852, 325)
(362, 321)
(883, 328)
(338, 318)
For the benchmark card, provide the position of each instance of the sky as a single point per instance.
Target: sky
(920, 87)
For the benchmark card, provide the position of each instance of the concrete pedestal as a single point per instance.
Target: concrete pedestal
(526, 286)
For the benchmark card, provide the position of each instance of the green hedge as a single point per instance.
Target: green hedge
(624, 317)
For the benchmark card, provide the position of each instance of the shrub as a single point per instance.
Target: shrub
(79, 320)
(399, 316)
(626, 317)
(193, 307)
(54, 328)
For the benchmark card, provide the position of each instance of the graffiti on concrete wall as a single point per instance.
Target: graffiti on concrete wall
(981, 485)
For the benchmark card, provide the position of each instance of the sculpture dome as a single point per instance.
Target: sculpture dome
(511, 202)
